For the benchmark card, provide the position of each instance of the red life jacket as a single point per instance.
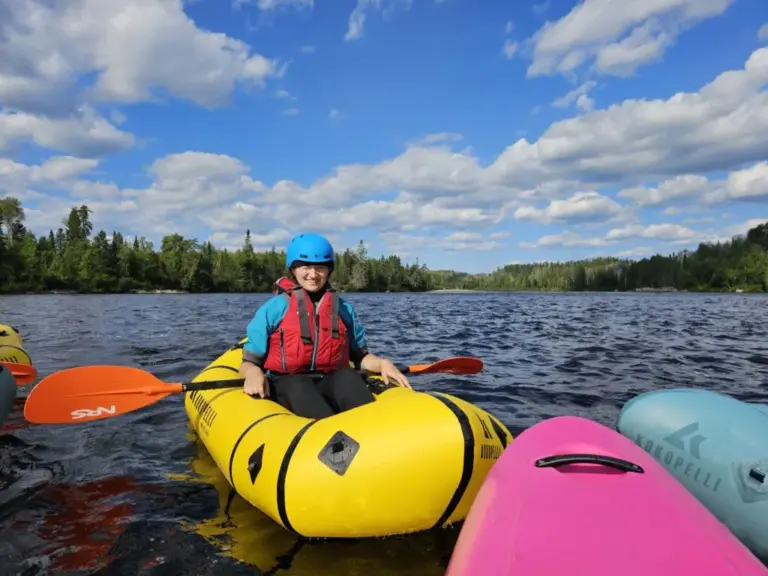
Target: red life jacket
(306, 339)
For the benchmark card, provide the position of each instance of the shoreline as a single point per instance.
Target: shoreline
(667, 290)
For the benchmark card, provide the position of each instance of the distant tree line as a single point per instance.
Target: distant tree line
(73, 259)
(738, 264)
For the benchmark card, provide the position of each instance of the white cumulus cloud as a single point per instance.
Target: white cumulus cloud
(134, 51)
(616, 36)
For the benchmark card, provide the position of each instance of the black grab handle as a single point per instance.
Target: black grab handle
(564, 459)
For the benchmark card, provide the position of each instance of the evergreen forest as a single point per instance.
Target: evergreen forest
(75, 259)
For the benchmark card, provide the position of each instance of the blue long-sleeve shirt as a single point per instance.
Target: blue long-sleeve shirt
(268, 317)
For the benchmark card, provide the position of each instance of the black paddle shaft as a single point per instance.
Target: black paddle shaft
(235, 382)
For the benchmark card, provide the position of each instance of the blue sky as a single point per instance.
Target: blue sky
(467, 134)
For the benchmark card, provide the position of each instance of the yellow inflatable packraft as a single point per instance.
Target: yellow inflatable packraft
(12, 346)
(410, 461)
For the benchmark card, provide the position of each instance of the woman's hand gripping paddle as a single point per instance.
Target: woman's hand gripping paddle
(88, 393)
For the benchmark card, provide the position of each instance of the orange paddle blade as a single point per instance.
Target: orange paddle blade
(90, 393)
(458, 365)
(22, 373)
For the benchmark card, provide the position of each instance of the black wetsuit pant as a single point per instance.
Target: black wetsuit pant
(318, 398)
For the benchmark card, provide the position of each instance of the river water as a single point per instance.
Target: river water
(138, 495)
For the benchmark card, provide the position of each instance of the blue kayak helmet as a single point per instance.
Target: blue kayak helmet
(309, 249)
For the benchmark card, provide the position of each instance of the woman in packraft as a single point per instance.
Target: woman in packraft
(306, 328)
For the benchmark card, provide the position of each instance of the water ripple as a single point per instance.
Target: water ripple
(132, 495)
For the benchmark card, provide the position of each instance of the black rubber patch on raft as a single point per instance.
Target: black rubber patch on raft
(469, 458)
(255, 462)
(283, 473)
(339, 452)
(240, 439)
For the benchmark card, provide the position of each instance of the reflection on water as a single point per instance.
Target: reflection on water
(65, 527)
(244, 533)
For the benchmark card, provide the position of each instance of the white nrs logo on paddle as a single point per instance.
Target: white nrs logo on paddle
(88, 413)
